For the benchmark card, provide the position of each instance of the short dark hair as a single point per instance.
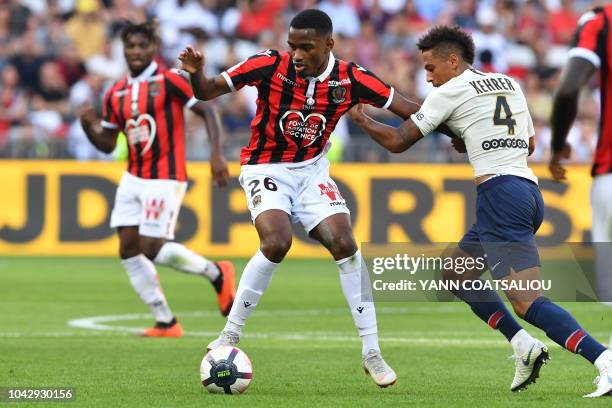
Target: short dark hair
(313, 19)
(148, 29)
(448, 39)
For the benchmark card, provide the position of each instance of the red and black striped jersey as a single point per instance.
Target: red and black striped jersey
(149, 110)
(295, 116)
(593, 42)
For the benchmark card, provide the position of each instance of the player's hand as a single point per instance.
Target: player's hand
(87, 115)
(191, 60)
(459, 145)
(356, 113)
(218, 168)
(557, 170)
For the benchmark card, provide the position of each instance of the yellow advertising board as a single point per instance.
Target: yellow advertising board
(63, 207)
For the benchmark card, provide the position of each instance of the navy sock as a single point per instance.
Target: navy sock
(563, 329)
(487, 305)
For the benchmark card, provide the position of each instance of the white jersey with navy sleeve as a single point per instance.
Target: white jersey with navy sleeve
(489, 112)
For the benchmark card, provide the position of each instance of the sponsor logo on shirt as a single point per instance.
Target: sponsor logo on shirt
(141, 130)
(304, 130)
(344, 81)
(287, 80)
(504, 143)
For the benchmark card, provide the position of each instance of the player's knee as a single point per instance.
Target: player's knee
(343, 247)
(275, 248)
(520, 308)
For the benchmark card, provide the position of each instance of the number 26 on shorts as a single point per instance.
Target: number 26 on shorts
(268, 184)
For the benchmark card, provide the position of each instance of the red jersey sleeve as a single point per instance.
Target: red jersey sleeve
(369, 89)
(589, 41)
(252, 70)
(109, 110)
(179, 88)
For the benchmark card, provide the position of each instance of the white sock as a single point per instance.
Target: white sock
(358, 293)
(253, 283)
(145, 280)
(604, 361)
(521, 342)
(183, 259)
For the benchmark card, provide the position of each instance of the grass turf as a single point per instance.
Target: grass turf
(301, 340)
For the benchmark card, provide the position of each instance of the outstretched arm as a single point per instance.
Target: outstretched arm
(404, 107)
(103, 139)
(218, 164)
(396, 140)
(204, 88)
(565, 107)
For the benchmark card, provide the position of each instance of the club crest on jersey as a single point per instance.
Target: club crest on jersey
(141, 130)
(303, 130)
(154, 88)
(338, 94)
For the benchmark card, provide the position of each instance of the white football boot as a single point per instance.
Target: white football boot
(528, 365)
(603, 382)
(378, 369)
(226, 338)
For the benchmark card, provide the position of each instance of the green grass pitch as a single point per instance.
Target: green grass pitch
(301, 340)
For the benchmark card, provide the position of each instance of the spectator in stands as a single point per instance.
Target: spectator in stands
(414, 23)
(490, 45)
(88, 90)
(562, 23)
(87, 29)
(110, 63)
(79, 37)
(430, 10)
(344, 16)
(6, 37)
(28, 59)
(183, 22)
(368, 50)
(464, 16)
(531, 22)
(256, 16)
(13, 106)
(50, 107)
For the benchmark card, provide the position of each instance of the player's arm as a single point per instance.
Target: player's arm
(218, 164)
(396, 140)
(436, 109)
(404, 107)
(532, 145)
(103, 138)
(564, 110)
(584, 59)
(204, 88)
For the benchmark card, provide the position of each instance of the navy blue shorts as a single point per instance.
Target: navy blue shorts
(509, 211)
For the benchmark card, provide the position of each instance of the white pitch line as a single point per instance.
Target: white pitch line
(295, 336)
(98, 326)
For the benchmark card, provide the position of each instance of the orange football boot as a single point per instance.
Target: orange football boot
(225, 297)
(158, 330)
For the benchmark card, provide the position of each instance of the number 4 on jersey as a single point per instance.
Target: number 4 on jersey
(500, 104)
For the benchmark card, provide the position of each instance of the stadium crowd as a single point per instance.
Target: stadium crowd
(55, 55)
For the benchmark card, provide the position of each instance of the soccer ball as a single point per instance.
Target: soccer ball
(226, 369)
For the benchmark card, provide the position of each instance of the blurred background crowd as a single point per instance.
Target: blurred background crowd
(55, 55)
